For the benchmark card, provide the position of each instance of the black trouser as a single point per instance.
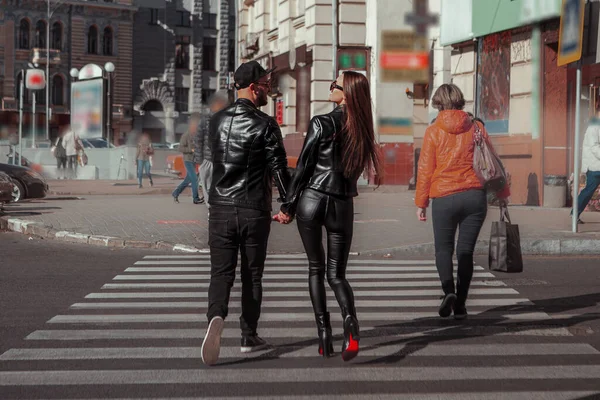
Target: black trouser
(467, 211)
(232, 229)
(314, 211)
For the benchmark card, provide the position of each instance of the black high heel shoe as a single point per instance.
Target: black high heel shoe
(351, 338)
(325, 336)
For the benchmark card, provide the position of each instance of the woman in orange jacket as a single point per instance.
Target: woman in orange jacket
(446, 176)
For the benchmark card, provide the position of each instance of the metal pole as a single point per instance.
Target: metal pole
(108, 110)
(22, 86)
(575, 216)
(33, 132)
(334, 28)
(536, 39)
(48, 74)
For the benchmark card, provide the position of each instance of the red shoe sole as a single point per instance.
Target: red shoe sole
(351, 350)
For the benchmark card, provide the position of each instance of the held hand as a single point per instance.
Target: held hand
(282, 218)
(422, 214)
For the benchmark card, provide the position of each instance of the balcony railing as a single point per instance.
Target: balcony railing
(38, 56)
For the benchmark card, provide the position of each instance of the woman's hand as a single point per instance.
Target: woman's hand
(282, 218)
(422, 214)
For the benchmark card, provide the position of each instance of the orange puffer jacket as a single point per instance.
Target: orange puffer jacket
(446, 161)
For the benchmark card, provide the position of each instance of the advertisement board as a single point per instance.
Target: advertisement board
(87, 108)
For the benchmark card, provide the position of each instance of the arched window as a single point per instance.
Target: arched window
(24, 34)
(93, 40)
(57, 36)
(107, 42)
(40, 34)
(58, 91)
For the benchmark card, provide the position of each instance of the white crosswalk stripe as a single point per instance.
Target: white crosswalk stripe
(152, 316)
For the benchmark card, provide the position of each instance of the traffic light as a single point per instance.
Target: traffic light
(352, 58)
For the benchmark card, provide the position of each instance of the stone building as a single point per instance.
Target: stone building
(183, 52)
(81, 33)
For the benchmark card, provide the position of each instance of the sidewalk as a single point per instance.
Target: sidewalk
(384, 222)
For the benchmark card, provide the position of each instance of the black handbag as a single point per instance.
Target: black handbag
(505, 245)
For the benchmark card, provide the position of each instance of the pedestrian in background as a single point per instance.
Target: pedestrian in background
(248, 155)
(60, 153)
(186, 146)
(73, 146)
(202, 149)
(142, 159)
(590, 164)
(447, 176)
(338, 147)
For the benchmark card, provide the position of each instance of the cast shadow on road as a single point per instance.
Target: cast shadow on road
(435, 329)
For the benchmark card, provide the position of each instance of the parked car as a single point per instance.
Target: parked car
(96, 143)
(6, 189)
(24, 162)
(27, 183)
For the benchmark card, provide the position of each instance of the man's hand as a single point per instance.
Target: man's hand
(282, 218)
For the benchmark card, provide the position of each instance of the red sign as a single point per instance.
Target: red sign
(404, 60)
(35, 79)
(279, 111)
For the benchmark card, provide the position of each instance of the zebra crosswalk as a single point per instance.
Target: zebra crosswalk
(139, 336)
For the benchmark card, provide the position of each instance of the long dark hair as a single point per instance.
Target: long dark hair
(358, 139)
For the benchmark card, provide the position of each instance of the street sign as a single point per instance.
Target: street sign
(570, 36)
(404, 57)
(35, 79)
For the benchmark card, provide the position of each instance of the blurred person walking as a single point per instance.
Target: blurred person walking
(60, 153)
(590, 164)
(446, 175)
(186, 146)
(202, 149)
(73, 146)
(145, 151)
(338, 147)
(248, 154)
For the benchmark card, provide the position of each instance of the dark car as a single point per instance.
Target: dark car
(28, 184)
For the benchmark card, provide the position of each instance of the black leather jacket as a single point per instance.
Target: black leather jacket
(248, 152)
(319, 165)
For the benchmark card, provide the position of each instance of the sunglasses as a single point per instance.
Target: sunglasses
(334, 85)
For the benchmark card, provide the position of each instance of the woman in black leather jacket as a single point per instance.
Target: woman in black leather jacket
(337, 148)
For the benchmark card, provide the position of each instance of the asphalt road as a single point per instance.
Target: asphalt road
(80, 322)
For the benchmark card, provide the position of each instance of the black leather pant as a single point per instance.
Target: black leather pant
(315, 210)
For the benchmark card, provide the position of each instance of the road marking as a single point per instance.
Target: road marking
(355, 284)
(268, 276)
(299, 304)
(455, 350)
(304, 293)
(352, 268)
(297, 375)
(285, 317)
(304, 262)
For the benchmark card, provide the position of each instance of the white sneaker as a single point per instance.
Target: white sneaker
(211, 347)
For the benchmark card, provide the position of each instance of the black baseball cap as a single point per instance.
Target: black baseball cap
(249, 73)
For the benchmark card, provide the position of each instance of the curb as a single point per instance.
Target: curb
(34, 228)
(539, 247)
(529, 247)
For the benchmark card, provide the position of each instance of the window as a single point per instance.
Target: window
(40, 34)
(107, 42)
(182, 52)
(206, 94)
(209, 54)
(181, 99)
(57, 36)
(58, 91)
(183, 18)
(92, 40)
(231, 56)
(209, 21)
(154, 16)
(24, 34)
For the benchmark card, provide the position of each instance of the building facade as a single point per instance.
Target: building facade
(297, 36)
(81, 33)
(184, 51)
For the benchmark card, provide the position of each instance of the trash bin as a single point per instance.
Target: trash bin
(555, 191)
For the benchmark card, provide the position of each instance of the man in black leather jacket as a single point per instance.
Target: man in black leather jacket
(248, 154)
